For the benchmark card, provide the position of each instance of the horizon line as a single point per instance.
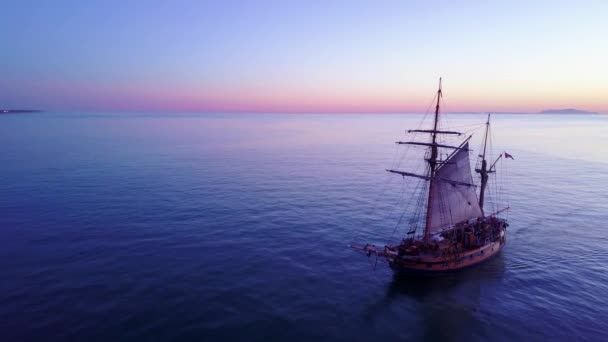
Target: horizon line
(8, 111)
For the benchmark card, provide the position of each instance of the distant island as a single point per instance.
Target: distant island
(13, 111)
(546, 111)
(565, 111)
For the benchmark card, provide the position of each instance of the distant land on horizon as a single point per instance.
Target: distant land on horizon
(9, 111)
(566, 111)
(546, 111)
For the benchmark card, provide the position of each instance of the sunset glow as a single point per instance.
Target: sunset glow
(279, 57)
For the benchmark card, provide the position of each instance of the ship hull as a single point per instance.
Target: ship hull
(445, 264)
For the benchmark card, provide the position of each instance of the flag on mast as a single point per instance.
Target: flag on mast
(508, 156)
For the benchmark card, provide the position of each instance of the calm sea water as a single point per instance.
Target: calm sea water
(235, 227)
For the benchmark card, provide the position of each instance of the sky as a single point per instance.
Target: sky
(303, 56)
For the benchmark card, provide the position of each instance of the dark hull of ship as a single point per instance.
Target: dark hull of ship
(446, 264)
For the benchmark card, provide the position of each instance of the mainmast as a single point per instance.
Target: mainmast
(432, 167)
(483, 171)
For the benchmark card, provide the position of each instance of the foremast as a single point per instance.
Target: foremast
(450, 172)
(432, 166)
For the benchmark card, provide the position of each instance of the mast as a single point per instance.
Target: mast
(483, 171)
(432, 166)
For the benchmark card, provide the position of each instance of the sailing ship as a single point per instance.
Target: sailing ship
(457, 232)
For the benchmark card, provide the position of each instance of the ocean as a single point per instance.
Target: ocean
(216, 227)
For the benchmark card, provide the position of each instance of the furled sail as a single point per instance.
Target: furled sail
(453, 202)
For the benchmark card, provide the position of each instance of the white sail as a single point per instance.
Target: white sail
(453, 202)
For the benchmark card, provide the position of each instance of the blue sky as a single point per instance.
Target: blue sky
(303, 55)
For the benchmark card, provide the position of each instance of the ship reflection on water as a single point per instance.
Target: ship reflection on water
(447, 306)
(419, 285)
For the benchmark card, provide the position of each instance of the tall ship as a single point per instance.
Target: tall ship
(455, 232)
